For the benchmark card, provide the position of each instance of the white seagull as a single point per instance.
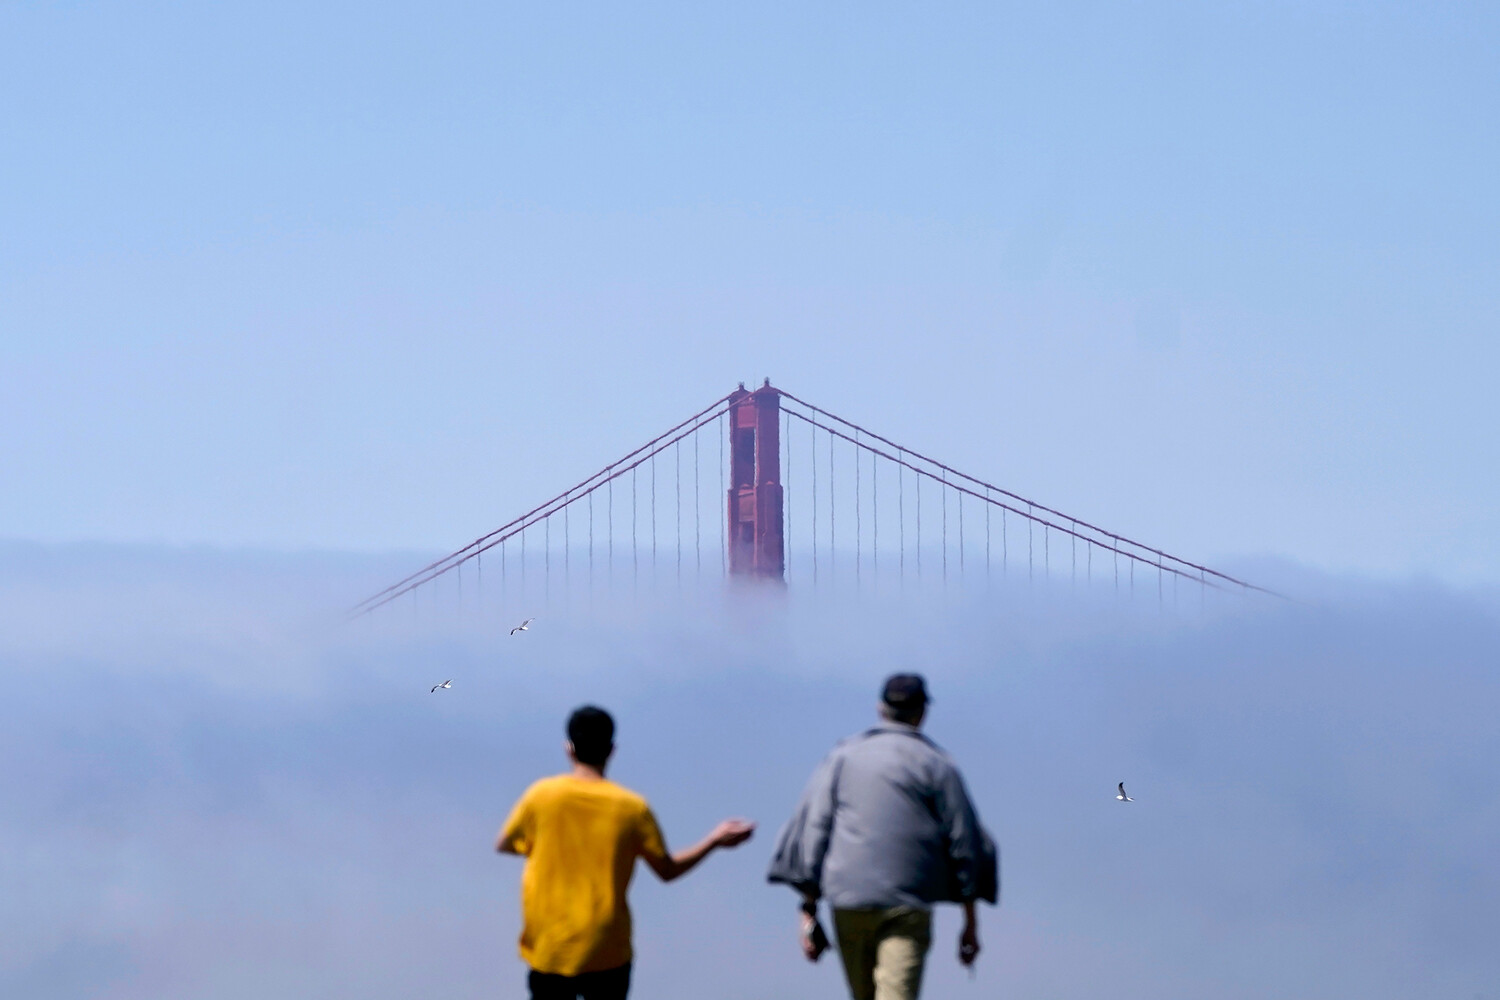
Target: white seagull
(445, 685)
(524, 626)
(1122, 796)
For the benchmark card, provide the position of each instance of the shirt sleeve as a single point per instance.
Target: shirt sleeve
(519, 831)
(803, 843)
(972, 860)
(649, 842)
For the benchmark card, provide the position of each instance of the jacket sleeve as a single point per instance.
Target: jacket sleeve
(973, 859)
(803, 842)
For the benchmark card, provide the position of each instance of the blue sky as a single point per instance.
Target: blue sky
(381, 276)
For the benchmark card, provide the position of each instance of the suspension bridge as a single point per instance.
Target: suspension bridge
(795, 494)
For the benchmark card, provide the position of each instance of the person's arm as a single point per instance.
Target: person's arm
(965, 856)
(514, 836)
(803, 844)
(505, 843)
(814, 940)
(968, 938)
(965, 838)
(730, 833)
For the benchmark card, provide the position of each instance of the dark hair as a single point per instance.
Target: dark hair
(592, 733)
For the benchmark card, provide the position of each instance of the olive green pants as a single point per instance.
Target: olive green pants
(883, 951)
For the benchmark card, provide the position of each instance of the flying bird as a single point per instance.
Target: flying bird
(524, 626)
(445, 685)
(1122, 796)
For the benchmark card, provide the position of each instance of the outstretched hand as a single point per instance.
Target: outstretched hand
(732, 832)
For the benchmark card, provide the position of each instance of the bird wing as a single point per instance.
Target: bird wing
(1122, 788)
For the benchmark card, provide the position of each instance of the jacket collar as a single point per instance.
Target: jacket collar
(892, 726)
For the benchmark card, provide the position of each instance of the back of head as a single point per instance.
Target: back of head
(904, 698)
(591, 730)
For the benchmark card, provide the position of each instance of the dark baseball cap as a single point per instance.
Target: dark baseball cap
(905, 691)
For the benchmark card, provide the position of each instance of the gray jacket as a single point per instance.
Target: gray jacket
(885, 821)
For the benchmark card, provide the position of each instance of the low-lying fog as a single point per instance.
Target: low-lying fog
(213, 788)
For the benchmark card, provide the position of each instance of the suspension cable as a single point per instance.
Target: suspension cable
(446, 565)
(1030, 517)
(1117, 539)
(480, 543)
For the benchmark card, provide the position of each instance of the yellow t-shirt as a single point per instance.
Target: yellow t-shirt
(580, 839)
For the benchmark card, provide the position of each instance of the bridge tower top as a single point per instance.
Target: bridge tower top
(755, 543)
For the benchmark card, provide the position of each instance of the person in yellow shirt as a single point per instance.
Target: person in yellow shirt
(580, 835)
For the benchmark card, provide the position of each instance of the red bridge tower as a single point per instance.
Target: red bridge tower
(755, 542)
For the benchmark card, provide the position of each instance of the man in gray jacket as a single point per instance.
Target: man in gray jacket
(884, 830)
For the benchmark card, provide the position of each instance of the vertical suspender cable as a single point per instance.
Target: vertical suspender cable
(786, 490)
(1030, 547)
(943, 496)
(812, 464)
(858, 533)
(677, 508)
(901, 514)
(874, 515)
(960, 534)
(635, 560)
(697, 511)
(832, 551)
(653, 516)
(723, 498)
